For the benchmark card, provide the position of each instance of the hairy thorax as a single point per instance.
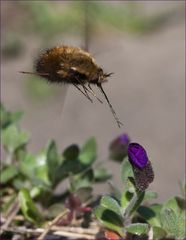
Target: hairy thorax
(68, 65)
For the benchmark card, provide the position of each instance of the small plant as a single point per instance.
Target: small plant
(29, 199)
(123, 213)
(30, 181)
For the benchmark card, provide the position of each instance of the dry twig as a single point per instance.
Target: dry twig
(73, 232)
(11, 214)
(42, 236)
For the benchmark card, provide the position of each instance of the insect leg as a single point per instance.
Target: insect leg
(93, 93)
(89, 90)
(111, 108)
(85, 89)
(76, 71)
(86, 95)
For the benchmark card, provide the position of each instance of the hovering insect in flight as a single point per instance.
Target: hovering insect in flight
(72, 65)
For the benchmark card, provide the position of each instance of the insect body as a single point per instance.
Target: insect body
(72, 65)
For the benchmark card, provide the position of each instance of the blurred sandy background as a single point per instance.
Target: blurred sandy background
(147, 89)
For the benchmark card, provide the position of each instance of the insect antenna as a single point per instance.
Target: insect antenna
(111, 108)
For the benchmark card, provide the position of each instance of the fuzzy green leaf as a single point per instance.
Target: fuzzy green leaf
(35, 168)
(137, 228)
(54, 209)
(109, 219)
(181, 203)
(82, 180)
(101, 174)
(53, 163)
(173, 222)
(36, 191)
(126, 171)
(13, 138)
(173, 204)
(88, 152)
(71, 166)
(181, 221)
(28, 207)
(8, 118)
(169, 221)
(8, 173)
(125, 199)
(150, 195)
(70, 162)
(110, 203)
(171, 214)
(159, 233)
(71, 152)
(151, 214)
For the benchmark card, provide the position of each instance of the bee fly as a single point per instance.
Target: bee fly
(72, 65)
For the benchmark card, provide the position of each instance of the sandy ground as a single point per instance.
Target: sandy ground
(147, 92)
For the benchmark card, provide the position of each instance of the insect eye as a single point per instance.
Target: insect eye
(100, 70)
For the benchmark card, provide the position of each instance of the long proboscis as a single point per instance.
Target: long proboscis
(110, 105)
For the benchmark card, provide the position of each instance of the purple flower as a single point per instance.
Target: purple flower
(124, 139)
(143, 172)
(118, 147)
(137, 155)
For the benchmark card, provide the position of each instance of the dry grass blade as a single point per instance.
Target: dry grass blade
(11, 214)
(61, 215)
(71, 232)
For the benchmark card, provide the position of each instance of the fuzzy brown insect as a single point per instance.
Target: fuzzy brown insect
(72, 65)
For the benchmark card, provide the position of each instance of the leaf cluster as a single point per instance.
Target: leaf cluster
(33, 179)
(30, 182)
(127, 212)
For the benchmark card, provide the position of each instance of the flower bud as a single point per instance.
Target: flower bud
(143, 172)
(137, 155)
(118, 147)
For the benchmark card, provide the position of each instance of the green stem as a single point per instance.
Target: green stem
(134, 203)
